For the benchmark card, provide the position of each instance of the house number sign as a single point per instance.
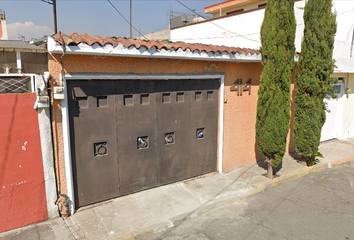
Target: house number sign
(237, 86)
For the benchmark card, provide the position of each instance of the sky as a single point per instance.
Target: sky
(34, 18)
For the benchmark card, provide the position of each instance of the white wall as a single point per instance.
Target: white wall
(347, 124)
(4, 30)
(224, 31)
(347, 130)
(47, 153)
(243, 30)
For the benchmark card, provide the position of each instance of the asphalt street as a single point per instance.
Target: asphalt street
(317, 206)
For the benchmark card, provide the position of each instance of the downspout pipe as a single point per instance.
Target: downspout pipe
(69, 205)
(55, 130)
(61, 58)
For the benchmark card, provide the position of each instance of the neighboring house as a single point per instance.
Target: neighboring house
(238, 22)
(27, 179)
(163, 35)
(3, 28)
(177, 21)
(139, 114)
(231, 7)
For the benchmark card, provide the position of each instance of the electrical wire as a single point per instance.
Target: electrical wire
(345, 12)
(217, 37)
(127, 20)
(243, 36)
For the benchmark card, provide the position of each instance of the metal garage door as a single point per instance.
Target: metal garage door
(127, 136)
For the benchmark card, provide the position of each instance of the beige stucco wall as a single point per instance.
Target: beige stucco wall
(239, 111)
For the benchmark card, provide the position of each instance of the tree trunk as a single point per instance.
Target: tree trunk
(270, 168)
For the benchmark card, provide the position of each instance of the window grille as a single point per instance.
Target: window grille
(15, 84)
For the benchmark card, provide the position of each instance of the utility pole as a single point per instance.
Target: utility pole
(131, 33)
(54, 3)
(55, 16)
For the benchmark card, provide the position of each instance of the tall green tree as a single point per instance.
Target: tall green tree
(273, 106)
(314, 77)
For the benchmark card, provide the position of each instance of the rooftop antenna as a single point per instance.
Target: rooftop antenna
(54, 3)
(2, 15)
(195, 11)
(22, 37)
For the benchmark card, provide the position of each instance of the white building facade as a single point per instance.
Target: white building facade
(242, 29)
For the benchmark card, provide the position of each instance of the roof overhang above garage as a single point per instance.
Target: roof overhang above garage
(122, 47)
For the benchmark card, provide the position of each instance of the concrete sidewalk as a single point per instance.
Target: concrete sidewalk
(157, 209)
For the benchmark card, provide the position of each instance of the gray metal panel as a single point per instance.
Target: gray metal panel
(128, 136)
(172, 99)
(92, 114)
(136, 119)
(204, 118)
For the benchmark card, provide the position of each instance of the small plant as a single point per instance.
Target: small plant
(314, 159)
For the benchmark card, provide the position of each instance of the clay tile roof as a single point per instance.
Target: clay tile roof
(75, 39)
(224, 4)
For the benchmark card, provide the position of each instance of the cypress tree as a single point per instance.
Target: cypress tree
(273, 106)
(313, 78)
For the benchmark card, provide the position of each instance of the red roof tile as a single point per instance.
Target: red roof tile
(75, 39)
(224, 4)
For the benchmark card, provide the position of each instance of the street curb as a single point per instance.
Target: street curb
(296, 175)
(261, 187)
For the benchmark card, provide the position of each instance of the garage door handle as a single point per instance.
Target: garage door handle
(142, 142)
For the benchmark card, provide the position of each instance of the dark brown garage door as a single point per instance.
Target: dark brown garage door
(128, 136)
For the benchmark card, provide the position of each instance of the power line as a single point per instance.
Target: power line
(54, 3)
(215, 37)
(243, 36)
(216, 24)
(127, 20)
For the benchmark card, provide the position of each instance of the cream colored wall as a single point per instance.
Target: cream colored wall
(245, 7)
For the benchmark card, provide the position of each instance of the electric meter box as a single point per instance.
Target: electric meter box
(58, 92)
(43, 101)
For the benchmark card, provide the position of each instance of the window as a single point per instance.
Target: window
(339, 87)
(234, 12)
